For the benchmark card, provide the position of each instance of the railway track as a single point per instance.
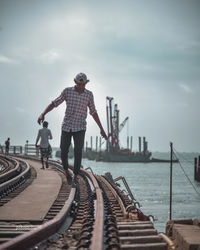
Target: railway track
(15, 175)
(4, 165)
(9, 168)
(93, 214)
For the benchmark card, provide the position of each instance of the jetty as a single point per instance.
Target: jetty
(92, 214)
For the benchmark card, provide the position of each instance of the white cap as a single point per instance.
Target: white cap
(81, 78)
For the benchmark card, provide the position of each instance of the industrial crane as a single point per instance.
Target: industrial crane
(123, 124)
(113, 125)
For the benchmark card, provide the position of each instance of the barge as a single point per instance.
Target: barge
(113, 152)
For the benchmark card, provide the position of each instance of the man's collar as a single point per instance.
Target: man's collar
(74, 88)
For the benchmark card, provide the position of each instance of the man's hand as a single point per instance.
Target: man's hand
(41, 118)
(49, 108)
(103, 134)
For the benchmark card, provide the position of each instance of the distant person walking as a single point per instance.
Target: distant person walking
(7, 145)
(1, 148)
(77, 99)
(45, 148)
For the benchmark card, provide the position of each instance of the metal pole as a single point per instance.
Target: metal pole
(111, 123)
(195, 168)
(96, 143)
(144, 140)
(100, 144)
(107, 113)
(91, 142)
(127, 142)
(131, 143)
(139, 144)
(171, 155)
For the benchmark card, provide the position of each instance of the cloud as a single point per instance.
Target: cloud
(185, 88)
(7, 60)
(50, 56)
(20, 110)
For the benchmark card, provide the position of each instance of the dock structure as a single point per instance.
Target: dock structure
(28, 149)
(100, 215)
(12, 149)
(184, 233)
(132, 228)
(197, 169)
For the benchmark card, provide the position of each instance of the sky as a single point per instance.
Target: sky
(143, 53)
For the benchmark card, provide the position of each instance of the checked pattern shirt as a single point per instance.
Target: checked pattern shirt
(76, 108)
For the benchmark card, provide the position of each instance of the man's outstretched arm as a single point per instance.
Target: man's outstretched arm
(97, 120)
(48, 109)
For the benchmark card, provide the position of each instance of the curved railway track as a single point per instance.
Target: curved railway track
(93, 214)
(16, 174)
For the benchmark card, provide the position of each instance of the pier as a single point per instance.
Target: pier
(94, 214)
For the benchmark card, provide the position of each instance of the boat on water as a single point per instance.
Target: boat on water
(113, 152)
(121, 156)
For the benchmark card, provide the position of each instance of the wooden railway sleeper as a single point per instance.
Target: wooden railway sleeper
(113, 239)
(87, 225)
(111, 226)
(110, 218)
(84, 243)
(85, 236)
(113, 231)
(88, 220)
(114, 246)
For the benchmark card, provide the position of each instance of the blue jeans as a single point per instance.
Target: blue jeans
(65, 143)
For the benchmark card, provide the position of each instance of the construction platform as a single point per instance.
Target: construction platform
(34, 202)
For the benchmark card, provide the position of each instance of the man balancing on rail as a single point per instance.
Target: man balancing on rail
(77, 99)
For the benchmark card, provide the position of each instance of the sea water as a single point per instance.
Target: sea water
(150, 186)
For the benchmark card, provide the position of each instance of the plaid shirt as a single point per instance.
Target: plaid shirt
(76, 109)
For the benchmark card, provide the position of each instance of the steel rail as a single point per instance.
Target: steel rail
(4, 166)
(6, 185)
(117, 197)
(97, 236)
(12, 172)
(42, 232)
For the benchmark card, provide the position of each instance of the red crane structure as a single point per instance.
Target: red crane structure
(113, 125)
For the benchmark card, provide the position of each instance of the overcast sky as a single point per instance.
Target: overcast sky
(144, 53)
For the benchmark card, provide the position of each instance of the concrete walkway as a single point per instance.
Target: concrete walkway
(34, 202)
